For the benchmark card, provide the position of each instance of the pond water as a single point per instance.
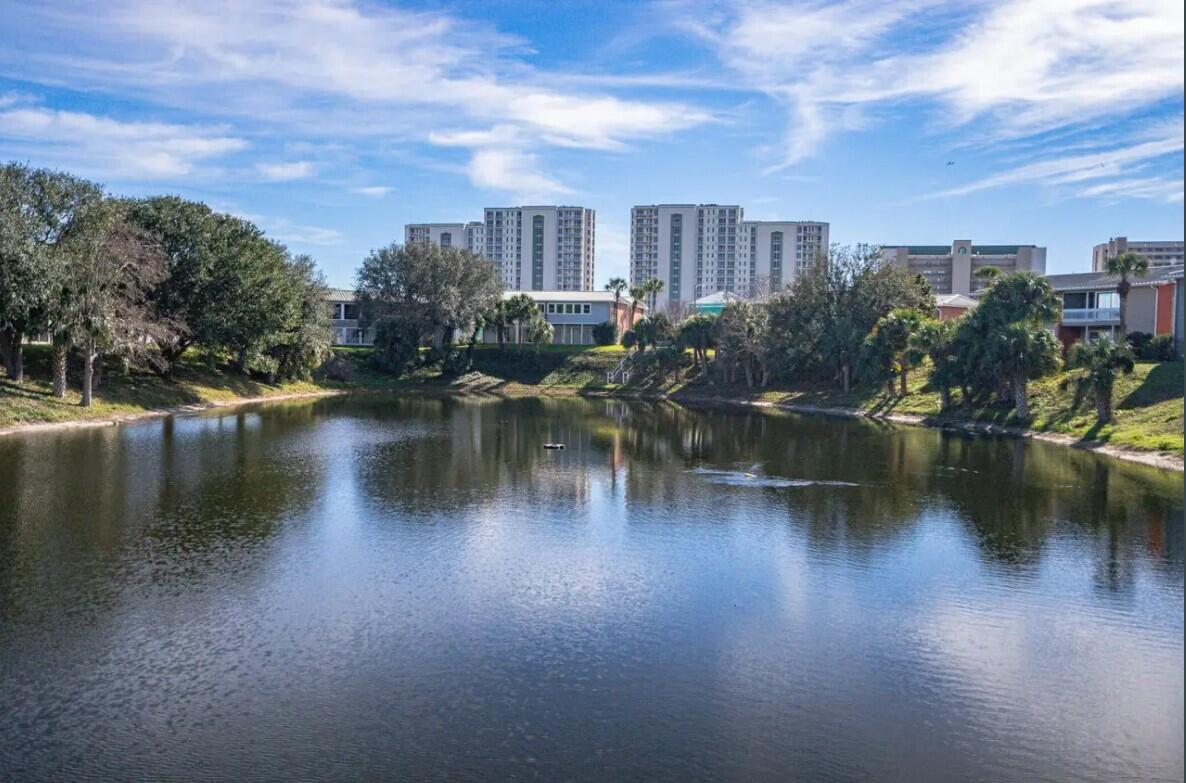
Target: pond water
(415, 589)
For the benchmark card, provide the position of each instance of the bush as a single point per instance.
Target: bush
(605, 333)
(1159, 349)
(1138, 341)
(336, 368)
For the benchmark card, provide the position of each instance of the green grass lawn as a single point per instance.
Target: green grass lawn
(193, 382)
(1148, 406)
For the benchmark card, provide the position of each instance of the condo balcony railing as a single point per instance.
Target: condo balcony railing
(1090, 315)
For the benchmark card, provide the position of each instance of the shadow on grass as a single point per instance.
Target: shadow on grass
(1164, 382)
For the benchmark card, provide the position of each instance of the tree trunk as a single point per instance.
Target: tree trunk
(14, 354)
(88, 366)
(844, 378)
(704, 366)
(1021, 403)
(749, 375)
(97, 372)
(904, 392)
(1103, 403)
(59, 368)
(944, 398)
(1122, 291)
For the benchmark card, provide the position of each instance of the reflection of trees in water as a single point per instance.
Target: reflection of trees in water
(1011, 494)
(81, 505)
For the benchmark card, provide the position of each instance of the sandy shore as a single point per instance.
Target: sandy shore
(126, 418)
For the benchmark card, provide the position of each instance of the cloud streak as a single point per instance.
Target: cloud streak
(343, 68)
(1002, 71)
(106, 146)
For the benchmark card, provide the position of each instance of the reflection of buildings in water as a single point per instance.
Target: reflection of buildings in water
(1155, 532)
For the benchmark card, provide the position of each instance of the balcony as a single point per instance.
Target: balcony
(1091, 315)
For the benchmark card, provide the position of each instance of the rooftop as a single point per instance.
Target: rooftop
(1091, 281)
(954, 300)
(340, 295)
(570, 296)
(945, 250)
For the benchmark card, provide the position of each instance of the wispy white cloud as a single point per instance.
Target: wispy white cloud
(513, 171)
(1075, 168)
(1153, 188)
(105, 146)
(1012, 68)
(340, 68)
(372, 191)
(284, 172)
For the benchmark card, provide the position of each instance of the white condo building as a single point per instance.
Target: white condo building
(700, 249)
(1167, 253)
(548, 248)
(470, 236)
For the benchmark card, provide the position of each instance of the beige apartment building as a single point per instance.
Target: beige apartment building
(544, 248)
(700, 249)
(950, 269)
(1167, 253)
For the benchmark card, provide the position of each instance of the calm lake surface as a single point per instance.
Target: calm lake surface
(414, 589)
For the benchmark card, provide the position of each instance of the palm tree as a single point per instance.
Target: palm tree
(1126, 265)
(520, 308)
(617, 285)
(987, 275)
(936, 339)
(539, 331)
(637, 294)
(652, 288)
(697, 333)
(1103, 360)
(1021, 351)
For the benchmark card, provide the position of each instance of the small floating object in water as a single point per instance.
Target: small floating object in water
(553, 445)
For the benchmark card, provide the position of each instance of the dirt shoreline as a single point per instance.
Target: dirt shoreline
(156, 413)
(1156, 459)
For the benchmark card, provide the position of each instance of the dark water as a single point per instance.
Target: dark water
(416, 590)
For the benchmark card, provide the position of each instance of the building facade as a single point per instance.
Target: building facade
(573, 314)
(542, 248)
(534, 248)
(950, 269)
(1166, 253)
(344, 319)
(1091, 304)
(700, 249)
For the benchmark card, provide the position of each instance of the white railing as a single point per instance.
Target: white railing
(622, 372)
(350, 335)
(1081, 315)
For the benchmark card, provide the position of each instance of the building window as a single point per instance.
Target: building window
(775, 261)
(537, 252)
(552, 308)
(675, 251)
(446, 239)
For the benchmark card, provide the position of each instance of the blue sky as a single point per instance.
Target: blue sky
(331, 123)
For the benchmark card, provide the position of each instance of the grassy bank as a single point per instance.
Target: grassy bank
(193, 383)
(1148, 402)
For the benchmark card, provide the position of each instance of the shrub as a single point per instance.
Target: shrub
(1159, 349)
(336, 368)
(605, 333)
(1138, 341)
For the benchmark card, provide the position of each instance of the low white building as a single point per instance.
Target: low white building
(573, 314)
